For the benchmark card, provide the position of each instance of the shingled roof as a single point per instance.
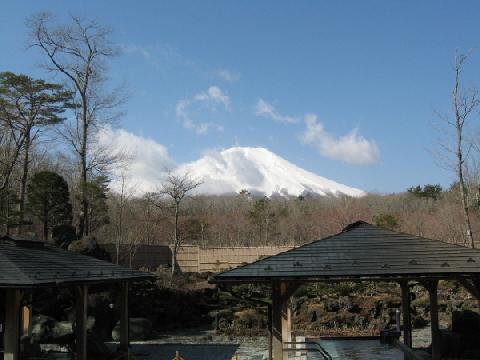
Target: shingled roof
(362, 251)
(26, 264)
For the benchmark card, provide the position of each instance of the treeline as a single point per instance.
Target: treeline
(245, 220)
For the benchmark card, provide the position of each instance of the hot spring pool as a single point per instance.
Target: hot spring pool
(356, 349)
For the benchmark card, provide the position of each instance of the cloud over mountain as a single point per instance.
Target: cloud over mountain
(351, 148)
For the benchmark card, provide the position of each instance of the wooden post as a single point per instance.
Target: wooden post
(432, 292)
(407, 322)
(27, 317)
(277, 344)
(81, 321)
(281, 317)
(12, 324)
(286, 316)
(269, 331)
(124, 320)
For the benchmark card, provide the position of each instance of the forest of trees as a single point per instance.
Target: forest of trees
(63, 194)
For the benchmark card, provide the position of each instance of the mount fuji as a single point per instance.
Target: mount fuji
(260, 172)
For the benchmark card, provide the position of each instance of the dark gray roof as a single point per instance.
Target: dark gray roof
(25, 263)
(362, 251)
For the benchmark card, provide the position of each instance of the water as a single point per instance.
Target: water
(358, 350)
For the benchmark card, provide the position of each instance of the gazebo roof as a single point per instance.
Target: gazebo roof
(26, 264)
(362, 251)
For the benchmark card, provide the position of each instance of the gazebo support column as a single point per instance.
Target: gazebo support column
(81, 321)
(269, 330)
(286, 315)
(12, 324)
(27, 317)
(281, 317)
(432, 292)
(277, 345)
(407, 323)
(124, 320)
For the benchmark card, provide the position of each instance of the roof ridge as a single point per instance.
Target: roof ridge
(355, 225)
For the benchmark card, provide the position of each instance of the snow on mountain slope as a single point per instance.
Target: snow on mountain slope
(261, 172)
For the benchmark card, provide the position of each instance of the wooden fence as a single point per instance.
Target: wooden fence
(216, 259)
(192, 258)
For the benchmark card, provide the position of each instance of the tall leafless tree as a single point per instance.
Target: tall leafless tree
(170, 197)
(78, 51)
(464, 105)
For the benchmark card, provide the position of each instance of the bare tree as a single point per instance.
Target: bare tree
(122, 202)
(170, 197)
(78, 52)
(464, 105)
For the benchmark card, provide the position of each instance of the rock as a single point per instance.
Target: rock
(89, 246)
(332, 305)
(90, 323)
(61, 329)
(248, 319)
(418, 321)
(41, 327)
(451, 343)
(140, 329)
(465, 322)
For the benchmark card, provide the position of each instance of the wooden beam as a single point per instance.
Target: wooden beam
(12, 324)
(269, 331)
(281, 317)
(407, 322)
(81, 321)
(286, 312)
(277, 345)
(27, 316)
(124, 321)
(432, 287)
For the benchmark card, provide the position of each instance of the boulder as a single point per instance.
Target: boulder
(418, 321)
(140, 329)
(41, 327)
(465, 322)
(89, 246)
(60, 329)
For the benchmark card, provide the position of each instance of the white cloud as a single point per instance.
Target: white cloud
(148, 161)
(213, 95)
(228, 75)
(211, 99)
(266, 109)
(351, 148)
(143, 51)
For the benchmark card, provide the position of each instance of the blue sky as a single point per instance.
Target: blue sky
(348, 90)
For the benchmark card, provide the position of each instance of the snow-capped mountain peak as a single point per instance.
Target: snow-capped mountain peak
(259, 171)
